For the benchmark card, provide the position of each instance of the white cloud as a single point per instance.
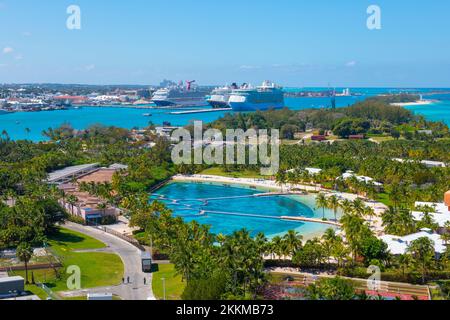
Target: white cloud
(350, 64)
(89, 67)
(18, 57)
(248, 67)
(27, 34)
(8, 50)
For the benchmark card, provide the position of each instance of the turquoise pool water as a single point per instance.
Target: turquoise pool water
(229, 202)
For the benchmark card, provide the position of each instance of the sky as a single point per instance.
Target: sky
(296, 43)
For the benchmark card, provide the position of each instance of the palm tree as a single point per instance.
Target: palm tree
(359, 207)
(404, 262)
(369, 212)
(72, 200)
(322, 202)
(281, 178)
(333, 204)
(24, 252)
(277, 246)
(423, 255)
(347, 206)
(293, 242)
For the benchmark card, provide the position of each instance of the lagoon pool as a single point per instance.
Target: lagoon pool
(231, 207)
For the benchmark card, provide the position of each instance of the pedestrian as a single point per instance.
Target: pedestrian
(123, 280)
(145, 281)
(128, 279)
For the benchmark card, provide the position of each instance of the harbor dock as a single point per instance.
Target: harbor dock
(200, 111)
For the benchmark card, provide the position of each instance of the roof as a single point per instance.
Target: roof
(70, 171)
(399, 245)
(441, 214)
(365, 179)
(313, 170)
(118, 166)
(11, 279)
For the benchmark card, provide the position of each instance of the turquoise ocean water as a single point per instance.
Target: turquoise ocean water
(188, 207)
(16, 124)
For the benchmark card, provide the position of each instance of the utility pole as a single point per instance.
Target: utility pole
(164, 287)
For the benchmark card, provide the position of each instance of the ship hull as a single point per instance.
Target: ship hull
(195, 102)
(245, 106)
(218, 104)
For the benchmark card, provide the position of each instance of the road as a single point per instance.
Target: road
(131, 258)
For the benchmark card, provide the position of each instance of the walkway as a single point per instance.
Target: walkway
(131, 258)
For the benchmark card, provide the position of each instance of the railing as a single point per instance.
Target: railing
(124, 237)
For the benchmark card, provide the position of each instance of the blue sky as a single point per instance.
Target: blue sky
(293, 42)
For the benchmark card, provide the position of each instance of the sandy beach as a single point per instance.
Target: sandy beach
(411, 104)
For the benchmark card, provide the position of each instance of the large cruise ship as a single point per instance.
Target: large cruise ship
(267, 96)
(220, 96)
(181, 95)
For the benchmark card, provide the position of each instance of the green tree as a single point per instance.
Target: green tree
(423, 256)
(331, 289)
(24, 252)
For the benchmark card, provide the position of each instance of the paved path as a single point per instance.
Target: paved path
(131, 257)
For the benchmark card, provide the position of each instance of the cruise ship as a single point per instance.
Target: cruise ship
(267, 96)
(220, 96)
(181, 95)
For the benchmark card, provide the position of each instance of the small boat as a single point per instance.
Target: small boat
(147, 114)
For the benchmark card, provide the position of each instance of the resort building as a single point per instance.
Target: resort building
(368, 180)
(88, 207)
(399, 245)
(71, 173)
(427, 163)
(311, 171)
(441, 211)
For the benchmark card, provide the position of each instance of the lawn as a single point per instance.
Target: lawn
(98, 269)
(174, 285)
(66, 240)
(217, 171)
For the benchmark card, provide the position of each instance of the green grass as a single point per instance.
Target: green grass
(98, 269)
(217, 171)
(66, 240)
(384, 199)
(174, 285)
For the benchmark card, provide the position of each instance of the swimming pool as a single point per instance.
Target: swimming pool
(227, 208)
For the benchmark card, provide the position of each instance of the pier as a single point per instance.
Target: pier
(314, 220)
(200, 111)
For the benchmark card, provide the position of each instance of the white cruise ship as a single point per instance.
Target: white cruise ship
(180, 95)
(220, 96)
(267, 96)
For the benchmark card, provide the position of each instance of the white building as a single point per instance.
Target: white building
(440, 214)
(427, 163)
(367, 180)
(399, 245)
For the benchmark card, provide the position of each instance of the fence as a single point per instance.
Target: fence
(128, 239)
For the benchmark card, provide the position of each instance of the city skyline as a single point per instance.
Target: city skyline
(296, 44)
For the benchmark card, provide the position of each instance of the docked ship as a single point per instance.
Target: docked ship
(265, 97)
(220, 96)
(181, 95)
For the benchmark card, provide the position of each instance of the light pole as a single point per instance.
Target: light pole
(164, 287)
